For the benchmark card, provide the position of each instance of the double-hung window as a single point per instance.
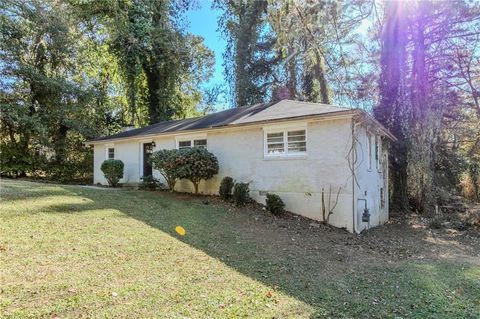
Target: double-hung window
(286, 142)
(110, 152)
(192, 142)
(202, 143)
(184, 144)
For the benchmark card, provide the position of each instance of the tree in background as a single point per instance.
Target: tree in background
(423, 93)
(46, 101)
(163, 66)
(249, 59)
(392, 110)
(78, 69)
(300, 30)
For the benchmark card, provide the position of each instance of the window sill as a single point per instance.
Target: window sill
(284, 157)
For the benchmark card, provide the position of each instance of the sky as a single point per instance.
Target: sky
(203, 22)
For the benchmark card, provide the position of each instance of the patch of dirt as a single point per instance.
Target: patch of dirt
(412, 238)
(402, 238)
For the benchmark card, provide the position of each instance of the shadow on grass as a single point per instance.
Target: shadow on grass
(22, 190)
(324, 268)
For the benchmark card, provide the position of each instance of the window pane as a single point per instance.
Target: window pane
(278, 134)
(275, 137)
(276, 150)
(296, 133)
(297, 138)
(297, 141)
(275, 143)
(184, 144)
(275, 140)
(297, 147)
(111, 153)
(200, 143)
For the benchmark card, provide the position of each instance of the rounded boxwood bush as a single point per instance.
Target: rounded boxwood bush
(113, 171)
(197, 164)
(241, 194)
(275, 204)
(226, 187)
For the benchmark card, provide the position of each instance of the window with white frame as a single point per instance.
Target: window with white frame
(377, 152)
(200, 143)
(286, 142)
(194, 142)
(184, 144)
(110, 152)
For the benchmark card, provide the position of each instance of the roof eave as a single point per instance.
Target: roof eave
(379, 125)
(348, 112)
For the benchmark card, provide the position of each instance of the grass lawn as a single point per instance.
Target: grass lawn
(71, 251)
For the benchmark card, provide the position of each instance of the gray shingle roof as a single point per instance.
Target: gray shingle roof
(285, 109)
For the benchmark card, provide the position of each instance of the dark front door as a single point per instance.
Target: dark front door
(147, 152)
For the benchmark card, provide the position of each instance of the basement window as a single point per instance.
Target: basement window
(286, 142)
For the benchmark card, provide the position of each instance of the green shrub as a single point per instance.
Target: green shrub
(113, 171)
(70, 163)
(197, 164)
(168, 163)
(275, 204)
(241, 194)
(150, 183)
(226, 187)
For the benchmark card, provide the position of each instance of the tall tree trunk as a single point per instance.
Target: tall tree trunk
(61, 144)
(423, 118)
(158, 108)
(247, 34)
(132, 95)
(393, 107)
(292, 78)
(307, 86)
(322, 81)
(195, 186)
